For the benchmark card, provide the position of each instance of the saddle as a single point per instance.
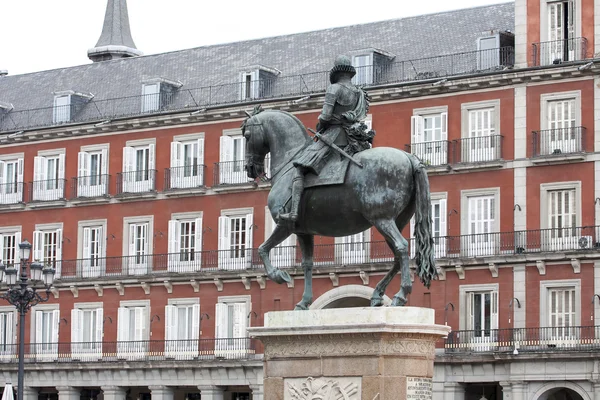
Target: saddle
(333, 173)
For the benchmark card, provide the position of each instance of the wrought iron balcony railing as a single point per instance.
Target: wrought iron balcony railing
(578, 239)
(559, 141)
(12, 193)
(186, 177)
(431, 153)
(230, 173)
(90, 186)
(521, 340)
(457, 64)
(559, 51)
(477, 149)
(146, 350)
(136, 181)
(48, 190)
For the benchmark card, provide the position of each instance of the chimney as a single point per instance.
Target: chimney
(3, 73)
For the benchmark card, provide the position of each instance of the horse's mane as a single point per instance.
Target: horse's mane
(259, 110)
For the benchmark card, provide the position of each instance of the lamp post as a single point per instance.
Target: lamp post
(23, 295)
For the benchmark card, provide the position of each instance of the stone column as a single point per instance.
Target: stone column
(113, 392)
(453, 391)
(257, 392)
(211, 392)
(30, 393)
(518, 391)
(359, 353)
(161, 392)
(68, 393)
(596, 390)
(506, 390)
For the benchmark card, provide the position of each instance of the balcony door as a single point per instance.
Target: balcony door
(86, 333)
(562, 314)
(561, 31)
(182, 331)
(429, 138)
(11, 181)
(93, 263)
(187, 159)
(561, 136)
(481, 145)
(132, 332)
(353, 249)
(480, 239)
(562, 218)
(138, 169)
(138, 257)
(232, 160)
(231, 325)
(482, 314)
(7, 335)
(46, 335)
(284, 254)
(92, 179)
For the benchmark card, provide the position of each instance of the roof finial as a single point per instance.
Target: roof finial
(115, 40)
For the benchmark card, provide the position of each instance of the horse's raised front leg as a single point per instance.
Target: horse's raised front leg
(280, 233)
(307, 248)
(399, 247)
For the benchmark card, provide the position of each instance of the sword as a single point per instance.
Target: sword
(336, 148)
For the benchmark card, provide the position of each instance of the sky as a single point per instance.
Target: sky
(37, 35)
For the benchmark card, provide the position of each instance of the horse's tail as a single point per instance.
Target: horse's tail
(425, 250)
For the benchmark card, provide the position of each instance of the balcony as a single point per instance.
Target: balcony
(524, 340)
(136, 183)
(563, 143)
(231, 173)
(505, 244)
(477, 150)
(193, 99)
(90, 187)
(12, 193)
(147, 350)
(186, 177)
(49, 190)
(559, 51)
(432, 154)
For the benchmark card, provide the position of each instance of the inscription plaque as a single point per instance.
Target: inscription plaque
(419, 388)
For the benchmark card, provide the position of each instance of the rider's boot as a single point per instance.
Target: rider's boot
(297, 188)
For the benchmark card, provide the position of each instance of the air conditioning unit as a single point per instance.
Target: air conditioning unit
(585, 242)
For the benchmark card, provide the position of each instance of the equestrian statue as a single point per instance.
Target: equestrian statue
(336, 184)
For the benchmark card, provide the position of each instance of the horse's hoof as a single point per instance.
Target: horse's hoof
(398, 301)
(280, 277)
(376, 302)
(301, 306)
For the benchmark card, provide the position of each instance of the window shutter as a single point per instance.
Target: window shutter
(16, 245)
(39, 170)
(123, 324)
(249, 232)
(170, 322)
(101, 241)
(443, 217)
(61, 167)
(176, 150)
(198, 236)
(83, 168)
(76, 322)
(221, 313)
(412, 241)
(195, 322)
(86, 244)
(2, 173)
(20, 178)
(173, 237)
(200, 150)
(132, 228)
(59, 239)
(104, 164)
(224, 234)
(10, 328)
(39, 328)
(470, 299)
(140, 323)
(417, 125)
(240, 318)
(38, 245)
(99, 334)
(151, 156)
(226, 143)
(2, 252)
(55, 325)
(444, 118)
(128, 159)
(494, 310)
(269, 223)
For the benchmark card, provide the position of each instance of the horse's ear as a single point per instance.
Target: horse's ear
(248, 114)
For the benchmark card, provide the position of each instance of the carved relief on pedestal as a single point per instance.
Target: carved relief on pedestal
(324, 388)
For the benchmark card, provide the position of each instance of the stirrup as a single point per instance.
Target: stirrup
(289, 217)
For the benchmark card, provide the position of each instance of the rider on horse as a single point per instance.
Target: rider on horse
(345, 106)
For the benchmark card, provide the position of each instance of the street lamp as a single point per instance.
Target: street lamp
(24, 296)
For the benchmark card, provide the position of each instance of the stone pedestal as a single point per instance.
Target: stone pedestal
(352, 353)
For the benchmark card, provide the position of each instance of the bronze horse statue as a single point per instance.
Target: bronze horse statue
(391, 186)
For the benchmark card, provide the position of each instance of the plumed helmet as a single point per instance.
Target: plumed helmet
(342, 64)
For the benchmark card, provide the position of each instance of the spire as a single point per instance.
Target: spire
(115, 40)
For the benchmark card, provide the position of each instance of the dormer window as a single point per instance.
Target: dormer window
(67, 104)
(157, 94)
(371, 66)
(364, 69)
(257, 82)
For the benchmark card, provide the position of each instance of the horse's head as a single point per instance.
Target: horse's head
(256, 144)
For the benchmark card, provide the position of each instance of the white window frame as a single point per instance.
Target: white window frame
(565, 243)
(481, 148)
(81, 349)
(15, 230)
(553, 338)
(488, 58)
(225, 260)
(253, 86)
(181, 349)
(430, 152)
(545, 100)
(224, 346)
(544, 25)
(151, 93)
(126, 347)
(129, 178)
(8, 349)
(41, 179)
(364, 73)
(174, 263)
(177, 173)
(61, 113)
(145, 265)
(284, 254)
(480, 245)
(440, 242)
(479, 343)
(49, 351)
(85, 188)
(231, 170)
(38, 252)
(85, 269)
(17, 195)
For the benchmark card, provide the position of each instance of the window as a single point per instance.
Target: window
(479, 315)
(561, 216)
(488, 52)
(185, 244)
(132, 329)
(62, 109)
(139, 244)
(92, 173)
(439, 213)
(430, 137)
(187, 163)
(249, 85)
(232, 160)
(138, 168)
(11, 181)
(151, 97)
(46, 333)
(481, 139)
(284, 254)
(480, 219)
(182, 327)
(47, 246)
(49, 177)
(232, 316)
(8, 324)
(561, 32)
(364, 69)
(235, 239)
(353, 249)
(91, 239)
(9, 245)
(560, 311)
(87, 332)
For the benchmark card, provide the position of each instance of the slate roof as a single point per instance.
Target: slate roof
(406, 38)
